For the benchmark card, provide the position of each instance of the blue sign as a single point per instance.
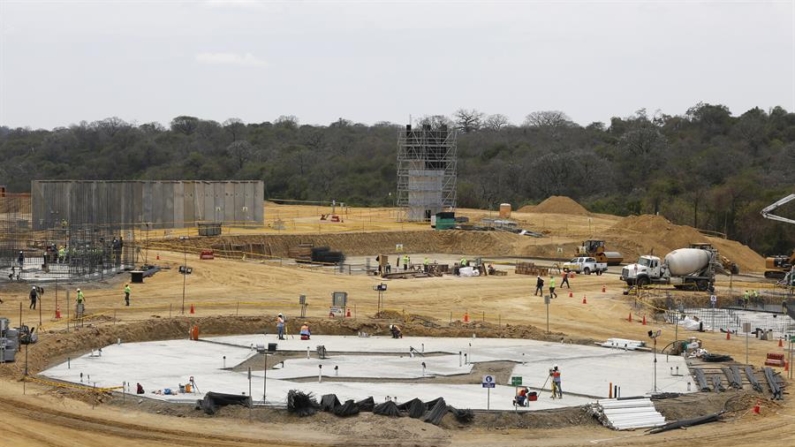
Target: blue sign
(488, 382)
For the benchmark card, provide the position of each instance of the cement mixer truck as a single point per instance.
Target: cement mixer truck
(684, 268)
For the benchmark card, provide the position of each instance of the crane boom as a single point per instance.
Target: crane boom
(767, 212)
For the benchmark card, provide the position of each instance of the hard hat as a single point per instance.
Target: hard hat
(34, 287)
(281, 315)
(391, 326)
(555, 366)
(78, 289)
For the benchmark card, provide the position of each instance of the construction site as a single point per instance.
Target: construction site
(419, 336)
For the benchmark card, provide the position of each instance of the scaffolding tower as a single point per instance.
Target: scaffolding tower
(426, 171)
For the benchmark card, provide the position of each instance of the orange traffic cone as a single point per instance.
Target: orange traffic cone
(780, 343)
(466, 317)
(158, 256)
(192, 309)
(57, 312)
(786, 366)
(728, 335)
(630, 317)
(584, 301)
(571, 294)
(757, 407)
(604, 288)
(644, 320)
(348, 313)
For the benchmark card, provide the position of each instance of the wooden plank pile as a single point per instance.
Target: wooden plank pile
(301, 252)
(529, 268)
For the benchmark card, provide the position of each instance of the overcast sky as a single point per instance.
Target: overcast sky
(65, 61)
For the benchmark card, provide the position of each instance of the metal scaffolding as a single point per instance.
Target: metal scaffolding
(55, 248)
(426, 171)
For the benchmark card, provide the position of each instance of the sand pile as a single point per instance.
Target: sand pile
(655, 234)
(526, 209)
(559, 205)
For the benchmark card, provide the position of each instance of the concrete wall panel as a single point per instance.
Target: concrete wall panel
(162, 204)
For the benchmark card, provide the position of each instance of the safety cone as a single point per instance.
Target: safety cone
(630, 317)
(571, 294)
(158, 256)
(584, 301)
(757, 407)
(466, 317)
(786, 366)
(192, 309)
(644, 320)
(604, 288)
(728, 335)
(348, 313)
(58, 312)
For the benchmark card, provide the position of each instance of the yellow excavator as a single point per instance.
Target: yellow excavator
(778, 266)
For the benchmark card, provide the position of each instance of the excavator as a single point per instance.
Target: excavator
(777, 267)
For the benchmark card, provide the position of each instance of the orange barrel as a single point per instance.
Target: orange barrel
(505, 210)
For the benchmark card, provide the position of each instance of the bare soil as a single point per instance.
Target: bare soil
(244, 295)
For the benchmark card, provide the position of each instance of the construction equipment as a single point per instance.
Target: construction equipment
(778, 266)
(685, 268)
(596, 249)
(727, 263)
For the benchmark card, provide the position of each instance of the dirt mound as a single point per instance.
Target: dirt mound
(560, 205)
(648, 233)
(526, 209)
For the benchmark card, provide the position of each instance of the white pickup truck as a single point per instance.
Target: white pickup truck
(585, 265)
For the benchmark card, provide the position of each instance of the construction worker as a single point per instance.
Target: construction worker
(556, 383)
(405, 262)
(21, 259)
(127, 291)
(280, 326)
(305, 332)
(61, 254)
(565, 280)
(396, 332)
(746, 299)
(539, 286)
(80, 297)
(464, 262)
(552, 293)
(425, 263)
(34, 296)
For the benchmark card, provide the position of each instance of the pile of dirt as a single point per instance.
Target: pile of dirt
(560, 205)
(644, 234)
(526, 209)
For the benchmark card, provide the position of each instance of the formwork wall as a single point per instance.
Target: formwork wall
(145, 204)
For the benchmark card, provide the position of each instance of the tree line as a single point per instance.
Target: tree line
(706, 168)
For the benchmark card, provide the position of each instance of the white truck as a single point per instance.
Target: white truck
(585, 265)
(684, 268)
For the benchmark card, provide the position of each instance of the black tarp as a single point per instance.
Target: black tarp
(464, 416)
(302, 404)
(415, 408)
(349, 408)
(212, 401)
(387, 408)
(329, 402)
(436, 412)
(366, 404)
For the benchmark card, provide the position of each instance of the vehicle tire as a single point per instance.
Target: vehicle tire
(702, 284)
(643, 281)
(586, 271)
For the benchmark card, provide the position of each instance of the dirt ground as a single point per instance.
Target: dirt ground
(244, 295)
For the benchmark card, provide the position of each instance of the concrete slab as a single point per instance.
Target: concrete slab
(373, 366)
